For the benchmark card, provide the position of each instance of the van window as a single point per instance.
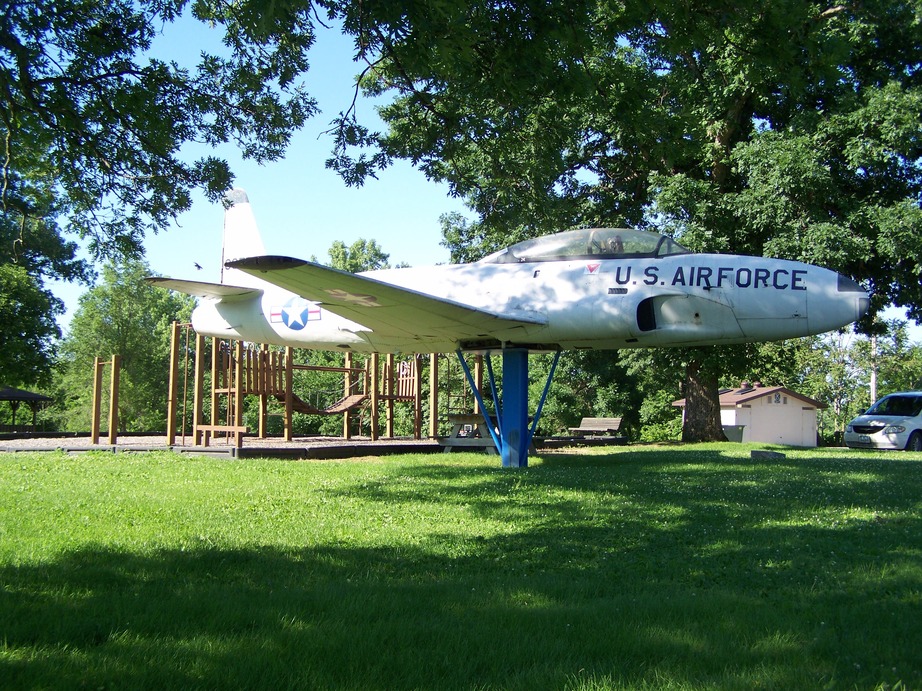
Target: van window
(897, 405)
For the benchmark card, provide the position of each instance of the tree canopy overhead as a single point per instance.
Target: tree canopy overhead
(787, 128)
(90, 111)
(93, 126)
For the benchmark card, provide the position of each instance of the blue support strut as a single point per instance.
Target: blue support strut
(515, 436)
(547, 388)
(483, 408)
(514, 425)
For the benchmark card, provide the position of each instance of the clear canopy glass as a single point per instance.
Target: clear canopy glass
(588, 243)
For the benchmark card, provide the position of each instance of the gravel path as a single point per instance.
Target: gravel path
(127, 443)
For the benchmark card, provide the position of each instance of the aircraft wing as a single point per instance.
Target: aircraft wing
(390, 311)
(202, 289)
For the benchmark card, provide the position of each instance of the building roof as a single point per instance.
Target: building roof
(8, 393)
(730, 398)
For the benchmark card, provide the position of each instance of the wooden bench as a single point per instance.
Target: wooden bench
(591, 426)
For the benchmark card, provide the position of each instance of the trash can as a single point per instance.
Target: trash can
(734, 432)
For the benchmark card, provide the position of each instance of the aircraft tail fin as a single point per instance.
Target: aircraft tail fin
(241, 239)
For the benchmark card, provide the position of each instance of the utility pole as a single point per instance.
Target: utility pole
(873, 368)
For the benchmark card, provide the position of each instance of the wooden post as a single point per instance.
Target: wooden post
(347, 389)
(174, 385)
(237, 395)
(263, 366)
(389, 394)
(217, 362)
(375, 391)
(417, 396)
(289, 394)
(198, 412)
(97, 399)
(433, 395)
(113, 399)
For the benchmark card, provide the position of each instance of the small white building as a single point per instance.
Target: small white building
(770, 414)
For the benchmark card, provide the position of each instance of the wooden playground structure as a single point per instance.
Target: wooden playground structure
(99, 366)
(238, 370)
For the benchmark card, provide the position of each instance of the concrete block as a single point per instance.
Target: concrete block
(766, 456)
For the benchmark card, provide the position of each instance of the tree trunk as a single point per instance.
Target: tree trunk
(702, 405)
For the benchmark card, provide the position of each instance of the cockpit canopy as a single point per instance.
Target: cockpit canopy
(588, 243)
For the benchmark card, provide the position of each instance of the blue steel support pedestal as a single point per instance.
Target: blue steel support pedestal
(515, 435)
(513, 429)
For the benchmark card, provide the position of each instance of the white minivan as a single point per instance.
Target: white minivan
(894, 422)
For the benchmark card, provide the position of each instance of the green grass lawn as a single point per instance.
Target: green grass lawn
(650, 567)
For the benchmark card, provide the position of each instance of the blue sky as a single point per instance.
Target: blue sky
(300, 206)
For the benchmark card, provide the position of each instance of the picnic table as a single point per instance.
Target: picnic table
(468, 431)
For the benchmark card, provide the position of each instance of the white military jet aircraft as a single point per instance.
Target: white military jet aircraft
(581, 289)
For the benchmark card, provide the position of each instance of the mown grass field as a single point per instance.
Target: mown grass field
(683, 567)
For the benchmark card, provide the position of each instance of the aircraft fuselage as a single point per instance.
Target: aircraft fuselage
(593, 288)
(675, 300)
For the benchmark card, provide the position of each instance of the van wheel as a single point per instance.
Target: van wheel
(915, 441)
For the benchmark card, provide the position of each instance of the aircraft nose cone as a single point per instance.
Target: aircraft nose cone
(836, 301)
(852, 291)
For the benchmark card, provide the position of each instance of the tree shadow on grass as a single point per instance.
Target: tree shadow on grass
(672, 572)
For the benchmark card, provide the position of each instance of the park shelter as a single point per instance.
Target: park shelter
(770, 414)
(16, 397)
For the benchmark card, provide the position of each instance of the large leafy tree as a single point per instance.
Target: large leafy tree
(32, 252)
(123, 316)
(596, 384)
(786, 128)
(29, 328)
(361, 255)
(84, 94)
(94, 129)
(897, 361)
